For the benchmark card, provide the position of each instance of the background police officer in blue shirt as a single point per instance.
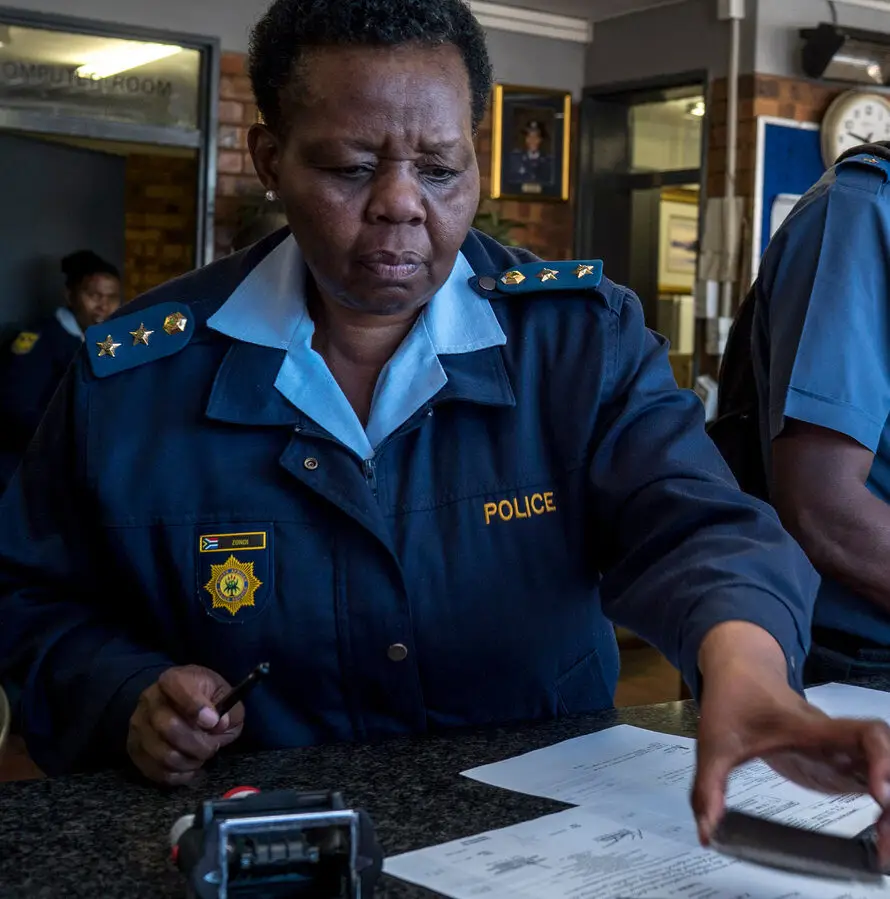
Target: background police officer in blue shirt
(821, 348)
(32, 365)
(415, 471)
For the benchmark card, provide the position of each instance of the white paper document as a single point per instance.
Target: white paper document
(633, 835)
(628, 766)
(582, 854)
(845, 701)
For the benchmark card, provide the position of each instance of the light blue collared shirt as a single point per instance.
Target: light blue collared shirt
(269, 309)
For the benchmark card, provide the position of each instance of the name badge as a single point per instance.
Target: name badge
(235, 573)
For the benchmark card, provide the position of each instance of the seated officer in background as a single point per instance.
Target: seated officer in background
(34, 363)
(415, 471)
(821, 353)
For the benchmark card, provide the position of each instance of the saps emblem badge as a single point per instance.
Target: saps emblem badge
(24, 343)
(234, 573)
(232, 585)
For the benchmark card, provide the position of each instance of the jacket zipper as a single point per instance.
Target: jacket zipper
(369, 468)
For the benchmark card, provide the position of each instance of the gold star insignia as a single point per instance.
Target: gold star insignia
(140, 335)
(547, 274)
(107, 346)
(232, 585)
(513, 278)
(175, 322)
(582, 271)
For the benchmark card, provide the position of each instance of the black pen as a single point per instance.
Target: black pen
(231, 699)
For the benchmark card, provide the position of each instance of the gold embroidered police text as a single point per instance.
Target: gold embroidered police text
(520, 507)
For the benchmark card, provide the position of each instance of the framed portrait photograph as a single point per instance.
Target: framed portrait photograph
(530, 143)
(678, 246)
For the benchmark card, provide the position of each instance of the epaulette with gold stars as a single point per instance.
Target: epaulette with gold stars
(533, 277)
(878, 166)
(132, 340)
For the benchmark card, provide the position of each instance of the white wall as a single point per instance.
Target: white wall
(517, 58)
(779, 23)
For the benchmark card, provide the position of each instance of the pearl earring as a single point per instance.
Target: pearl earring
(271, 196)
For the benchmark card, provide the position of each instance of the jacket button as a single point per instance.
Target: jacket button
(398, 652)
(310, 464)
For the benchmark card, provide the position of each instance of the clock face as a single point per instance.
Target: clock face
(855, 118)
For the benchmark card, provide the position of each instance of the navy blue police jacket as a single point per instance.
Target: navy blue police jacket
(554, 485)
(31, 367)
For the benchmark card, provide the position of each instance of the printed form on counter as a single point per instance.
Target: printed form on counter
(633, 835)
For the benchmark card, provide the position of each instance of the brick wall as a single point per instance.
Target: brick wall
(747, 136)
(759, 95)
(237, 183)
(161, 220)
(549, 226)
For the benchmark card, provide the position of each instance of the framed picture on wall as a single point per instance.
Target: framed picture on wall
(530, 143)
(677, 245)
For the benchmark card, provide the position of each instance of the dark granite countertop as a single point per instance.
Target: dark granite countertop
(105, 836)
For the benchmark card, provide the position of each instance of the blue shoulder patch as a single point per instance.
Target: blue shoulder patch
(533, 277)
(132, 340)
(864, 162)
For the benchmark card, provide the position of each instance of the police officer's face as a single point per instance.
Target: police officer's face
(377, 171)
(96, 298)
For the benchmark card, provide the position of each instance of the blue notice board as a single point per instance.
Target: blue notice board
(790, 162)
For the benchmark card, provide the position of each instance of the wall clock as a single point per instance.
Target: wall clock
(855, 117)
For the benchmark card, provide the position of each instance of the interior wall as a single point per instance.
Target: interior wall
(682, 37)
(537, 62)
(161, 204)
(520, 58)
(547, 227)
(779, 23)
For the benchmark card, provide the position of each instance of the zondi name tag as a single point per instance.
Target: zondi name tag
(226, 543)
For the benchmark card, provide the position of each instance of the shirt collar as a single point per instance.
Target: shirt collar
(65, 317)
(269, 305)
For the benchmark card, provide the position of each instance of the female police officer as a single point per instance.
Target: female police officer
(34, 363)
(411, 469)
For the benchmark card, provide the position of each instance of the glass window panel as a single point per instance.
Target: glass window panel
(666, 136)
(88, 76)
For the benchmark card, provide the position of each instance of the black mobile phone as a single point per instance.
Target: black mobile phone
(794, 849)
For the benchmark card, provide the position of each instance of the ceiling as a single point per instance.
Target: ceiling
(595, 10)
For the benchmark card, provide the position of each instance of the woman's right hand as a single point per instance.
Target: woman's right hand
(175, 729)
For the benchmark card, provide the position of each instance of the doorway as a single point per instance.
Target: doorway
(107, 143)
(36, 175)
(641, 167)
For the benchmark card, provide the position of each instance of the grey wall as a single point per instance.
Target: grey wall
(779, 23)
(517, 58)
(680, 38)
(536, 61)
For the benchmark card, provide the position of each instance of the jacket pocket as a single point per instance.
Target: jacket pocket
(583, 687)
(235, 570)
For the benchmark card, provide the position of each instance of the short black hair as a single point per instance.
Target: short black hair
(77, 267)
(291, 27)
